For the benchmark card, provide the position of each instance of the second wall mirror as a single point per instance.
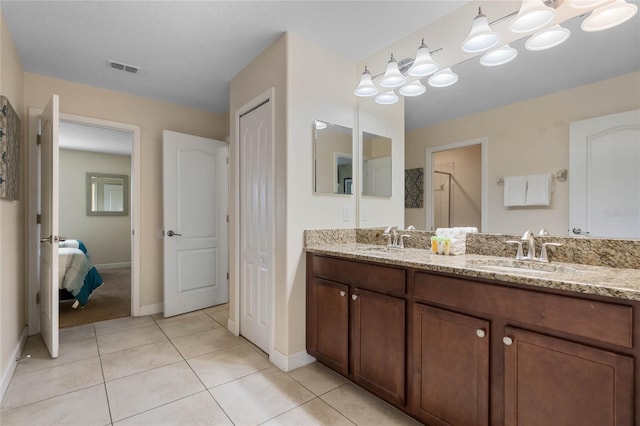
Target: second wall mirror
(376, 165)
(333, 158)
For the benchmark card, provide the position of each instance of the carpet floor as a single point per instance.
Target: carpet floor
(111, 300)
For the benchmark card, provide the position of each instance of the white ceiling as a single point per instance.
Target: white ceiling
(83, 137)
(189, 50)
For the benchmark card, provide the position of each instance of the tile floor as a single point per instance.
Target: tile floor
(185, 370)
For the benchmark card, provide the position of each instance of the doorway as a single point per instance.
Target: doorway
(130, 277)
(95, 176)
(455, 189)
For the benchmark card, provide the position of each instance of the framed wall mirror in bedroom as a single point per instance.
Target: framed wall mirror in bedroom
(107, 194)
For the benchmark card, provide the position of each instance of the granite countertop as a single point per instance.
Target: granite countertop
(619, 283)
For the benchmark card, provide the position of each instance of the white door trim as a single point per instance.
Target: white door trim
(428, 184)
(32, 209)
(234, 323)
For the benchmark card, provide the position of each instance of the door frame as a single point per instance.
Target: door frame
(234, 322)
(33, 229)
(428, 180)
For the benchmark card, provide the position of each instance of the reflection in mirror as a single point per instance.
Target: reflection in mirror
(333, 157)
(107, 194)
(376, 165)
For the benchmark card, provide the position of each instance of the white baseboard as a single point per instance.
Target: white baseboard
(113, 265)
(231, 326)
(7, 374)
(151, 309)
(290, 362)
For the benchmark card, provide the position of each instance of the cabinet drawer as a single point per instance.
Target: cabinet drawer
(364, 275)
(604, 322)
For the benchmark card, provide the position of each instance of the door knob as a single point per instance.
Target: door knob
(171, 234)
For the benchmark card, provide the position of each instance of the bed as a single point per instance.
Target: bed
(78, 276)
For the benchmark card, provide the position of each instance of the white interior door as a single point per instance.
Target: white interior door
(49, 280)
(256, 226)
(377, 176)
(604, 188)
(195, 191)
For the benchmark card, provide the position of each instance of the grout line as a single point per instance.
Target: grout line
(104, 379)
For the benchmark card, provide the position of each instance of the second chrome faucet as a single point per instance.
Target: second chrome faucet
(529, 238)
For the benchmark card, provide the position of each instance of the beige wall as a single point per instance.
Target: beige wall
(107, 237)
(526, 138)
(12, 224)
(152, 116)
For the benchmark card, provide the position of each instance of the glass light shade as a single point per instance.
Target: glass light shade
(424, 64)
(546, 39)
(387, 98)
(392, 76)
(533, 15)
(415, 88)
(443, 78)
(481, 37)
(499, 56)
(586, 4)
(365, 87)
(320, 125)
(608, 16)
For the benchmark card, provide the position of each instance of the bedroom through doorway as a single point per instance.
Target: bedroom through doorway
(95, 216)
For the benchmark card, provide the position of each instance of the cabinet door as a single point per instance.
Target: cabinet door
(330, 306)
(451, 367)
(555, 381)
(378, 344)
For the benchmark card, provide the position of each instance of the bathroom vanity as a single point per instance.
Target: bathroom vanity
(466, 341)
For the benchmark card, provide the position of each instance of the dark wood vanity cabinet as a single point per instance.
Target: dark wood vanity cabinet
(458, 351)
(356, 323)
(450, 367)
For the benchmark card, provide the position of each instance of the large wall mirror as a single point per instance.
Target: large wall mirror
(376, 165)
(333, 158)
(107, 194)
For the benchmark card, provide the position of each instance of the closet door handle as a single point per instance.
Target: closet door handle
(171, 234)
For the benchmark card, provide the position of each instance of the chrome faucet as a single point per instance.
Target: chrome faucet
(392, 236)
(531, 240)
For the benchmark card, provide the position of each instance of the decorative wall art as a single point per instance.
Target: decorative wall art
(414, 188)
(9, 151)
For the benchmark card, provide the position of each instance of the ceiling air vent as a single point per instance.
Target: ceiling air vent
(123, 67)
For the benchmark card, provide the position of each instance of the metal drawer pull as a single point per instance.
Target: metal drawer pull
(354, 296)
(507, 340)
(342, 293)
(480, 333)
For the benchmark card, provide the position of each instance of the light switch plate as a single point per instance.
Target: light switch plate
(364, 213)
(346, 213)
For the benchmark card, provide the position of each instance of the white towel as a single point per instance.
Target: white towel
(458, 232)
(538, 190)
(515, 191)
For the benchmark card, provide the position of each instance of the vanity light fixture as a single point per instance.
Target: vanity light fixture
(533, 15)
(320, 125)
(392, 76)
(365, 87)
(424, 64)
(443, 78)
(609, 15)
(481, 37)
(548, 38)
(414, 88)
(387, 98)
(499, 56)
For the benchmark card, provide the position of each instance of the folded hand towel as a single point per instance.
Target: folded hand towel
(538, 190)
(515, 189)
(456, 232)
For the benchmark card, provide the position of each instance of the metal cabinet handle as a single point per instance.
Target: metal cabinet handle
(342, 293)
(171, 234)
(481, 333)
(354, 296)
(508, 341)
